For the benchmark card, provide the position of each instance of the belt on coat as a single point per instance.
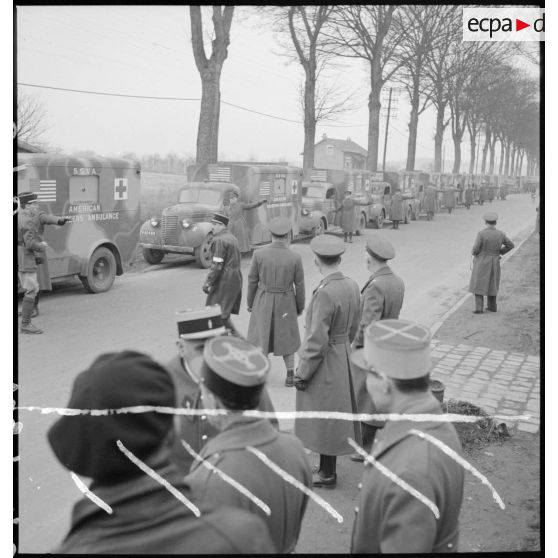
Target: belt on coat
(276, 289)
(338, 339)
(489, 254)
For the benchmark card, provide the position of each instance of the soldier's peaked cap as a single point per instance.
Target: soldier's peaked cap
(26, 197)
(380, 247)
(399, 349)
(490, 216)
(279, 226)
(200, 323)
(327, 245)
(220, 218)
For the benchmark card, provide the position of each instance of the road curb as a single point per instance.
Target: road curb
(437, 325)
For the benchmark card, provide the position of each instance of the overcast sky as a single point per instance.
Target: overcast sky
(146, 50)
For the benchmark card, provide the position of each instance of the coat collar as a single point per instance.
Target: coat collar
(384, 270)
(278, 244)
(253, 431)
(328, 279)
(395, 431)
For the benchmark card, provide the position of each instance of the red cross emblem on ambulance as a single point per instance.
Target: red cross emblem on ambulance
(120, 189)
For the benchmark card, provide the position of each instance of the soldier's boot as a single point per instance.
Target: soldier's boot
(351, 237)
(35, 312)
(26, 310)
(368, 435)
(326, 475)
(479, 304)
(229, 325)
(289, 380)
(345, 237)
(491, 303)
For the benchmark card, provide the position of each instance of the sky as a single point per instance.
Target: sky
(146, 50)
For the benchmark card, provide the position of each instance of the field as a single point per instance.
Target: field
(159, 190)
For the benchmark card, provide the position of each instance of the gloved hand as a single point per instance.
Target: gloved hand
(39, 260)
(205, 288)
(63, 220)
(300, 384)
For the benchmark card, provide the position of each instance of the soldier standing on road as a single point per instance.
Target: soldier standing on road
(234, 373)
(491, 193)
(32, 261)
(490, 245)
(276, 296)
(430, 202)
(323, 378)
(503, 191)
(389, 519)
(449, 198)
(396, 211)
(483, 193)
(145, 518)
(223, 284)
(237, 222)
(381, 299)
(348, 215)
(468, 197)
(195, 328)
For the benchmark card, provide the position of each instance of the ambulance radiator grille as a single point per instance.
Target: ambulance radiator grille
(169, 229)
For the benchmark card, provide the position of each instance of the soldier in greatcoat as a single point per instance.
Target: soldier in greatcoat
(449, 198)
(276, 296)
(483, 193)
(234, 373)
(468, 197)
(430, 202)
(323, 378)
(32, 261)
(223, 284)
(347, 207)
(237, 222)
(490, 245)
(195, 328)
(396, 211)
(491, 193)
(503, 191)
(381, 299)
(389, 518)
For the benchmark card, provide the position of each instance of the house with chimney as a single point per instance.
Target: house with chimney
(332, 153)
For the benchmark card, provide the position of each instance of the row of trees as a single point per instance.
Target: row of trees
(472, 86)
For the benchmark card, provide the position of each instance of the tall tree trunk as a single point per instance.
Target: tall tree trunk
(439, 137)
(501, 169)
(456, 154)
(512, 161)
(473, 147)
(507, 162)
(309, 123)
(492, 155)
(374, 106)
(413, 128)
(208, 127)
(487, 136)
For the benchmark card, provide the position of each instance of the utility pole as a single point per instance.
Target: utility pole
(389, 113)
(477, 155)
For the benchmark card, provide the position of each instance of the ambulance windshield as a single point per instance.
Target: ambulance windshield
(201, 196)
(313, 191)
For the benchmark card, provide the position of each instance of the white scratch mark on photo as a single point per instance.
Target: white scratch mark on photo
(235, 484)
(465, 464)
(149, 471)
(396, 479)
(297, 484)
(88, 494)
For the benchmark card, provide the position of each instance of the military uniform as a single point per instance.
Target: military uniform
(237, 372)
(396, 211)
(224, 282)
(468, 198)
(331, 325)
(237, 222)
(483, 194)
(489, 246)
(389, 519)
(449, 199)
(430, 202)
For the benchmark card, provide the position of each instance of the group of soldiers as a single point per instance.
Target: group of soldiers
(219, 477)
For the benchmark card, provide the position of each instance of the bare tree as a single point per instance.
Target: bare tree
(365, 32)
(31, 118)
(210, 74)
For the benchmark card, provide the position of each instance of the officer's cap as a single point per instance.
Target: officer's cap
(327, 245)
(490, 216)
(220, 218)
(279, 226)
(380, 247)
(200, 323)
(27, 197)
(400, 349)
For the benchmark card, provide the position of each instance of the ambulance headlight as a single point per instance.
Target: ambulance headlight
(154, 223)
(305, 212)
(185, 224)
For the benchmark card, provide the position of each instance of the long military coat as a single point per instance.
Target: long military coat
(227, 451)
(331, 325)
(430, 200)
(225, 278)
(196, 430)
(237, 223)
(391, 520)
(489, 245)
(381, 299)
(483, 193)
(468, 196)
(348, 215)
(276, 296)
(396, 212)
(449, 198)
(491, 192)
(31, 223)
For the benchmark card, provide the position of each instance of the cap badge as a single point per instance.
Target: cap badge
(238, 355)
(403, 332)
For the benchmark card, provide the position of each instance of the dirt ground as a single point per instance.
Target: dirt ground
(513, 465)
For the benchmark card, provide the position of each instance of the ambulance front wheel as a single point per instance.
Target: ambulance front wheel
(152, 257)
(101, 271)
(203, 252)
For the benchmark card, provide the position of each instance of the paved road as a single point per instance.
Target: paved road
(138, 312)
